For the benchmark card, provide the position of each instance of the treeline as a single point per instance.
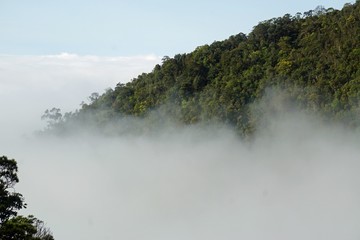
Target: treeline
(314, 58)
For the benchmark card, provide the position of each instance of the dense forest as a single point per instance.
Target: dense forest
(312, 58)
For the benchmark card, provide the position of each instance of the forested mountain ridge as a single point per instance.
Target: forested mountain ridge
(313, 57)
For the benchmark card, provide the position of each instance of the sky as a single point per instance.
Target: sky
(136, 27)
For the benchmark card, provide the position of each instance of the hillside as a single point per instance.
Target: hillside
(313, 58)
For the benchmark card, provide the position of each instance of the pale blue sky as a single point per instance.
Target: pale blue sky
(132, 27)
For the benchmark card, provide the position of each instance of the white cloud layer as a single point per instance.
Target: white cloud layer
(298, 180)
(31, 84)
(59, 71)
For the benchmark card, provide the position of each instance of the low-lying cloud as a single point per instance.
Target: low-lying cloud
(58, 71)
(31, 84)
(298, 179)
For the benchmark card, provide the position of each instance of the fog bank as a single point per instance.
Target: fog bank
(297, 180)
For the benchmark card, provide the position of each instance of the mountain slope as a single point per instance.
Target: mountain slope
(314, 58)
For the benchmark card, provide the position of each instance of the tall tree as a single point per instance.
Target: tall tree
(10, 201)
(13, 227)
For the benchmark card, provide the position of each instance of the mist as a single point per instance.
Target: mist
(297, 179)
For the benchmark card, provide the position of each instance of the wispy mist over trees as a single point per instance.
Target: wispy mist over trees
(312, 58)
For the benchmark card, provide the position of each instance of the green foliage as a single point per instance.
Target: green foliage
(24, 228)
(10, 201)
(313, 57)
(18, 228)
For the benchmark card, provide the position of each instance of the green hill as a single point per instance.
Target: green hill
(314, 58)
